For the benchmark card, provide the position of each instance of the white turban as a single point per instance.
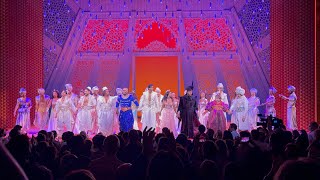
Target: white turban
(104, 88)
(291, 88)
(220, 85)
(22, 90)
(240, 91)
(253, 90)
(68, 86)
(158, 89)
(273, 90)
(118, 91)
(95, 88)
(89, 88)
(41, 90)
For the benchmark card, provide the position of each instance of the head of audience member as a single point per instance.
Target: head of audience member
(291, 151)
(201, 129)
(210, 134)
(97, 141)
(80, 174)
(165, 165)
(124, 171)
(66, 136)
(295, 134)
(233, 127)
(83, 134)
(20, 148)
(219, 134)
(314, 150)
(68, 162)
(209, 170)
(164, 144)
(313, 126)
(133, 136)
(209, 150)
(76, 144)
(40, 172)
(227, 135)
(182, 139)
(111, 145)
(298, 169)
(255, 134)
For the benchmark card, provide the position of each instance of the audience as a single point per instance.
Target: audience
(229, 155)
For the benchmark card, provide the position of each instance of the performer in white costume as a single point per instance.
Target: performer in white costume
(253, 110)
(159, 101)
(42, 109)
(291, 108)
(23, 107)
(64, 111)
(52, 124)
(176, 105)
(95, 94)
(86, 107)
(74, 97)
(116, 127)
(239, 110)
(149, 107)
(203, 118)
(270, 101)
(134, 111)
(106, 107)
(224, 97)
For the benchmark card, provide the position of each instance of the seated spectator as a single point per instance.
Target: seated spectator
(256, 139)
(227, 135)
(80, 174)
(107, 165)
(209, 170)
(312, 128)
(233, 129)
(97, 150)
(133, 149)
(210, 135)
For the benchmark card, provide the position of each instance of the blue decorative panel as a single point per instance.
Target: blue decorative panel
(49, 61)
(255, 19)
(58, 20)
(264, 57)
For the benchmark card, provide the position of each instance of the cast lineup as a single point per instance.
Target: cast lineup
(93, 112)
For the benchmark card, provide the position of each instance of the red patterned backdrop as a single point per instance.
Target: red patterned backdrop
(21, 54)
(292, 56)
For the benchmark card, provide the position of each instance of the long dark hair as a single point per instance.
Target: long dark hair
(166, 96)
(58, 94)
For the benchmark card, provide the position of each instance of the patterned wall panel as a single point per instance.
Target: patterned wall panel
(21, 54)
(212, 34)
(152, 35)
(49, 61)
(104, 35)
(233, 76)
(255, 18)
(58, 19)
(205, 73)
(81, 73)
(292, 56)
(108, 74)
(264, 57)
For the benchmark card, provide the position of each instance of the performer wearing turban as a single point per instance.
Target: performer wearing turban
(106, 108)
(224, 97)
(74, 98)
(291, 108)
(42, 109)
(159, 101)
(187, 112)
(270, 101)
(23, 107)
(239, 110)
(253, 110)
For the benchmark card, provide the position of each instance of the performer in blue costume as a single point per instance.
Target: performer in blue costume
(125, 116)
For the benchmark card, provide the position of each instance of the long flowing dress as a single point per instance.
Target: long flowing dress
(159, 101)
(168, 115)
(292, 112)
(203, 118)
(239, 109)
(135, 116)
(253, 111)
(149, 107)
(270, 110)
(126, 116)
(42, 114)
(85, 114)
(106, 110)
(52, 124)
(224, 99)
(23, 115)
(216, 119)
(64, 112)
(176, 120)
(187, 108)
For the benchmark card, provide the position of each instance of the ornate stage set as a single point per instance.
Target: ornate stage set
(131, 43)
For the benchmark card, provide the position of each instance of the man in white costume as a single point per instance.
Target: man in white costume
(106, 108)
(95, 94)
(291, 108)
(70, 94)
(159, 101)
(86, 106)
(149, 107)
(239, 110)
(253, 111)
